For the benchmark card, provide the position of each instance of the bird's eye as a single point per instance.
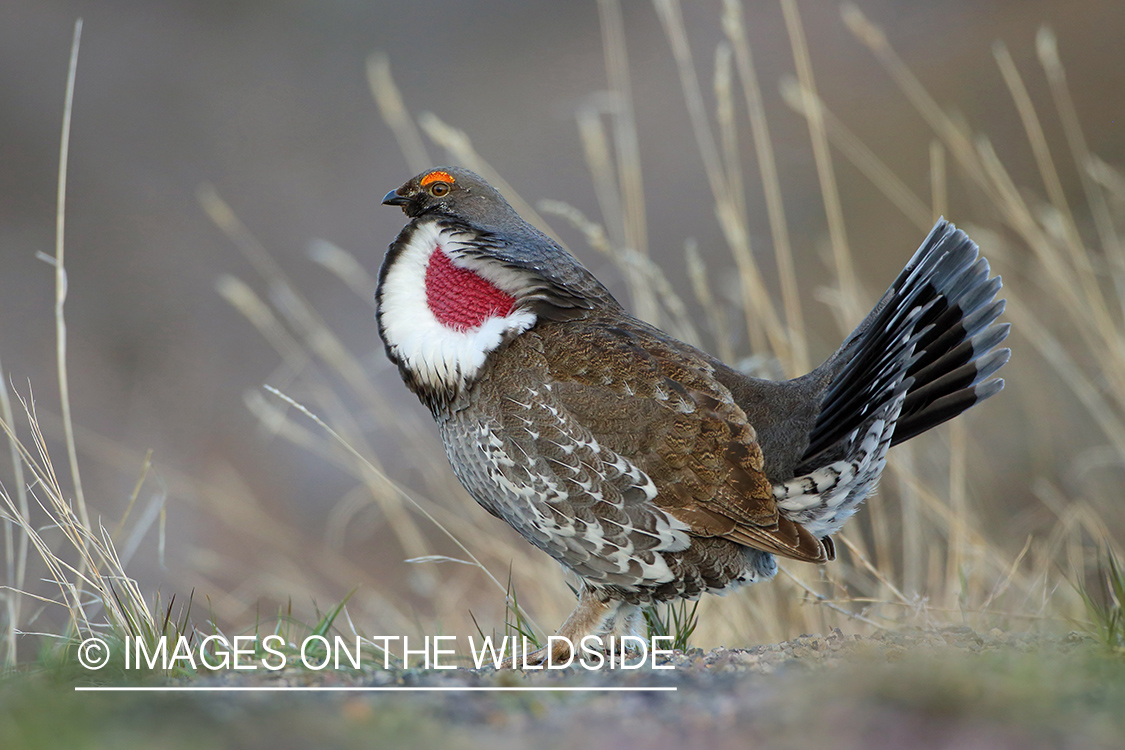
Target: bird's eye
(438, 189)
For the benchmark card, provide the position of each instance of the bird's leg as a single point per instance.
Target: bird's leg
(627, 622)
(588, 618)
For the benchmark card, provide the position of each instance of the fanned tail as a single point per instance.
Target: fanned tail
(921, 357)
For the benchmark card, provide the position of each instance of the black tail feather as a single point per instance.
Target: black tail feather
(965, 376)
(933, 347)
(945, 409)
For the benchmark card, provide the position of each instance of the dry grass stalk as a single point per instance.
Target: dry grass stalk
(405, 495)
(398, 119)
(96, 579)
(60, 278)
(15, 538)
(1047, 50)
(850, 292)
(763, 325)
(701, 287)
(805, 102)
(735, 30)
(624, 125)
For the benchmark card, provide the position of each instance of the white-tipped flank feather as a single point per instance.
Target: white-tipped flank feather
(437, 354)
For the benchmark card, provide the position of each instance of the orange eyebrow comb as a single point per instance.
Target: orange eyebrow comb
(437, 176)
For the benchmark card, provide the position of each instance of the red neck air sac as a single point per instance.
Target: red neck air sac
(461, 299)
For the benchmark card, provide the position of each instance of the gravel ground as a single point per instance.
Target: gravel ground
(696, 668)
(948, 688)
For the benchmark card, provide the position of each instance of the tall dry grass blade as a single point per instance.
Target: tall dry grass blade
(953, 135)
(1003, 584)
(599, 162)
(1046, 47)
(914, 527)
(239, 295)
(1074, 246)
(243, 299)
(735, 30)
(939, 189)
(152, 514)
(943, 520)
(728, 128)
(345, 267)
(60, 278)
(277, 422)
(862, 157)
(762, 322)
(15, 550)
(1099, 335)
(593, 233)
(851, 297)
(957, 554)
(1109, 178)
(44, 472)
(701, 287)
(671, 18)
(1055, 355)
(405, 495)
(145, 467)
(624, 125)
(1041, 152)
(870, 567)
(394, 113)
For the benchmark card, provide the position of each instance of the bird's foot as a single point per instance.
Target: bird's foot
(556, 653)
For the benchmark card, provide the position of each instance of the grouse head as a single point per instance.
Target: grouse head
(463, 277)
(450, 191)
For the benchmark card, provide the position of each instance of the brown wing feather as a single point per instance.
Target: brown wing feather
(657, 401)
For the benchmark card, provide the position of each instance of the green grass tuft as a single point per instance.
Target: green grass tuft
(1106, 607)
(677, 619)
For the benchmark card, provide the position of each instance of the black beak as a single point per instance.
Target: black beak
(394, 199)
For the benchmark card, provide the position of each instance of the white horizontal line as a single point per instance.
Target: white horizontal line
(359, 689)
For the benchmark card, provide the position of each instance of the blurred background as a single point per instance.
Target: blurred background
(266, 107)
